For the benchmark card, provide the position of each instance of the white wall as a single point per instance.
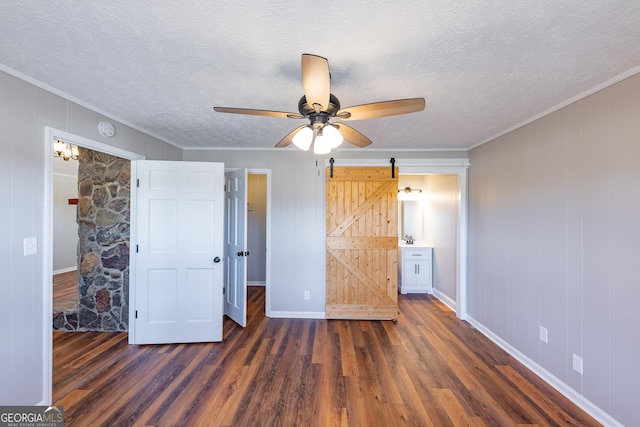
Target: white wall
(65, 230)
(554, 229)
(24, 112)
(440, 231)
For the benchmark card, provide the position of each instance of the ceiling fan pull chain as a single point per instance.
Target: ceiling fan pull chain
(393, 167)
(331, 167)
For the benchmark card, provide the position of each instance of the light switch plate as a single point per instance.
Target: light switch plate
(30, 246)
(544, 334)
(576, 363)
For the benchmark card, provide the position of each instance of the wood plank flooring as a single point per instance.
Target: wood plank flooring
(426, 369)
(65, 291)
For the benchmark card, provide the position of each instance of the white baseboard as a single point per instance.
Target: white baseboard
(65, 270)
(593, 410)
(297, 314)
(256, 283)
(444, 299)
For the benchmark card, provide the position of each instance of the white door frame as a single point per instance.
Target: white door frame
(455, 166)
(51, 134)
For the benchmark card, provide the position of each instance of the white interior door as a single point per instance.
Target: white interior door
(235, 301)
(180, 229)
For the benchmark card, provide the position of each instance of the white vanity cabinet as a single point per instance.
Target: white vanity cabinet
(415, 269)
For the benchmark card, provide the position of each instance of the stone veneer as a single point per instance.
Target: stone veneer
(104, 186)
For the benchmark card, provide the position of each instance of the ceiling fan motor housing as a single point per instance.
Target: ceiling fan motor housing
(307, 111)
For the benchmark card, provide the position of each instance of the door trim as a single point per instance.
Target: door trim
(50, 134)
(454, 166)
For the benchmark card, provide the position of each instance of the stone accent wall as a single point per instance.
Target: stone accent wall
(104, 186)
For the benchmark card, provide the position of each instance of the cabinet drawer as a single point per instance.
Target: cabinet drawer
(416, 254)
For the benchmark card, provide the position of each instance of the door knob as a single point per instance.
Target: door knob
(216, 259)
(240, 253)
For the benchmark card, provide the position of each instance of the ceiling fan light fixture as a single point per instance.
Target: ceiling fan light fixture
(303, 138)
(320, 146)
(331, 136)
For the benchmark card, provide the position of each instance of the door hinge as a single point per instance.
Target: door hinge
(138, 182)
(137, 248)
(136, 314)
(224, 291)
(225, 188)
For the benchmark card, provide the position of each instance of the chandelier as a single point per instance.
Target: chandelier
(65, 150)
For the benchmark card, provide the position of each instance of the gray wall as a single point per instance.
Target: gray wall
(554, 227)
(24, 112)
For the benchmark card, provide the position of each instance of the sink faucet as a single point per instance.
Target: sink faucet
(408, 239)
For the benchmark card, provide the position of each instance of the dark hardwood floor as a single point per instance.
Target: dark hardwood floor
(426, 369)
(65, 291)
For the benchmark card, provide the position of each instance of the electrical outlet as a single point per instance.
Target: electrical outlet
(576, 363)
(544, 334)
(307, 295)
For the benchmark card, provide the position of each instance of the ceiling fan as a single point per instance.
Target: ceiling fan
(319, 105)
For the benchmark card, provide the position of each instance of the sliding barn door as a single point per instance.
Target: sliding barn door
(362, 243)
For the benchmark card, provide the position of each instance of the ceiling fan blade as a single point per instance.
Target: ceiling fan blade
(270, 113)
(381, 109)
(316, 81)
(352, 136)
(287, 140)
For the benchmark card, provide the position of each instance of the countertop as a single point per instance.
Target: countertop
(416, 244)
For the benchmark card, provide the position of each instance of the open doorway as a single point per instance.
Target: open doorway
(257, 229)
(246, 260)
(428, 206)
(437, 166)
(65, 242)
(69, 262)
(259, 232)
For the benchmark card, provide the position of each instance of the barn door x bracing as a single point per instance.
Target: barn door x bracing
(362, 243)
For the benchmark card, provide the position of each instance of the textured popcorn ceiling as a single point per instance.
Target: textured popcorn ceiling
(483, 66)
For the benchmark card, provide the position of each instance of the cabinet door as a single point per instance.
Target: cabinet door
(410, 273)
(423, 273)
